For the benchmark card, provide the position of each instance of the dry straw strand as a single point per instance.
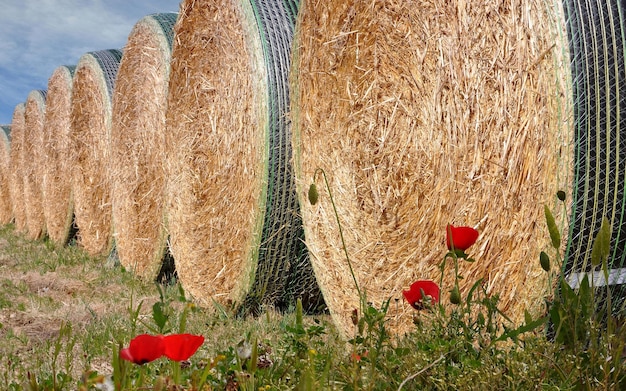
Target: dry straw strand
(33, 162)
(6, 208)
(424, 114)
(17, 182)
(57, 183)
(92, 89)
(136, 168)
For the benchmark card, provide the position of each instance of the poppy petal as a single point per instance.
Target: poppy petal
(419, 290)
(143, 349)
(461, 237)
(179, 347)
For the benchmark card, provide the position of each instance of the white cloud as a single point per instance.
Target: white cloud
(37, 36)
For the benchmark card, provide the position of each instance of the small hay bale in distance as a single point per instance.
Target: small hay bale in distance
(136, 168)
(424, 114)
(33, 162)
(6, 208)
(17, 180)
(92, 89)
(57, 183)
(232, 215)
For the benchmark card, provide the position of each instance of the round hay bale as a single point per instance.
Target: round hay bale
(596, 32)
(17, 181)
(424, 114)
(92, 90)
(6, 207)
(33, 162)
(57, 184)
(235, 230)
(137, 145)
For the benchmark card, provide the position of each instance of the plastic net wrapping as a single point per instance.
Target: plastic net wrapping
(596, 31)
(284, 269)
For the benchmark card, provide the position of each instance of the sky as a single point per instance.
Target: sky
(37, 36)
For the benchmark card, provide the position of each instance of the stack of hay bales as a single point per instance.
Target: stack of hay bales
(92, 89)
(136, 170)
(6, 208)
(233, 217)
(17, 181)
(57, 168)
(32, 163)
(424, 114)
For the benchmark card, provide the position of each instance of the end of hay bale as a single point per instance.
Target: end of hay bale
(92, 89)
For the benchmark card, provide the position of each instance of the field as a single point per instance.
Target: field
(64, 316)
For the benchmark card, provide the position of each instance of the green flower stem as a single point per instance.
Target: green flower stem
(343, 242)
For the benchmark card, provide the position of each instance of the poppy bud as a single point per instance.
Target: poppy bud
(455, 296)
(313, 196)
(560, 195)
(544, 260)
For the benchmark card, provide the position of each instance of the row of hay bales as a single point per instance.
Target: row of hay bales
(201, 140)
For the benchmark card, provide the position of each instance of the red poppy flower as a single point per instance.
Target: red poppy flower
(179, 347)
(461, 237)
(143, 349)
(420, 292)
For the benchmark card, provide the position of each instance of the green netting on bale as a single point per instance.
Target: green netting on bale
(167, 22)
(597, 31)
(284, 272)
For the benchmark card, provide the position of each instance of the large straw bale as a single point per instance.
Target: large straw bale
(424, 113)
(232, 210)
(33, 160)
(136, 167)
(92, 89)
(17, 181)
(57, 184)
(6, 208)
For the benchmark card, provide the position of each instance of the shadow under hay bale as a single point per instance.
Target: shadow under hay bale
(57, 184)
(233, 215)
(596, 32)
(92, 89)
(425, 114)
(6, 208)
(17, 181)
(136, 168)
(33, 162)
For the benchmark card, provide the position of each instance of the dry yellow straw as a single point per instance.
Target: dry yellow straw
(92, 89)
(57, 184)
(17, 182)
(137, 146)
(215, 144)
(33, 160)
(6, 208)
(424, 114)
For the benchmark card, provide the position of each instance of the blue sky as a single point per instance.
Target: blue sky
(37, 36)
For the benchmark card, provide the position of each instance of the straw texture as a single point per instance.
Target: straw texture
(17, 181)
(57, 183)
(231, 211)
(32, 163)
(136, 168)
(92, 90)
(596, 31)
(6, 208)
(424, 114)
